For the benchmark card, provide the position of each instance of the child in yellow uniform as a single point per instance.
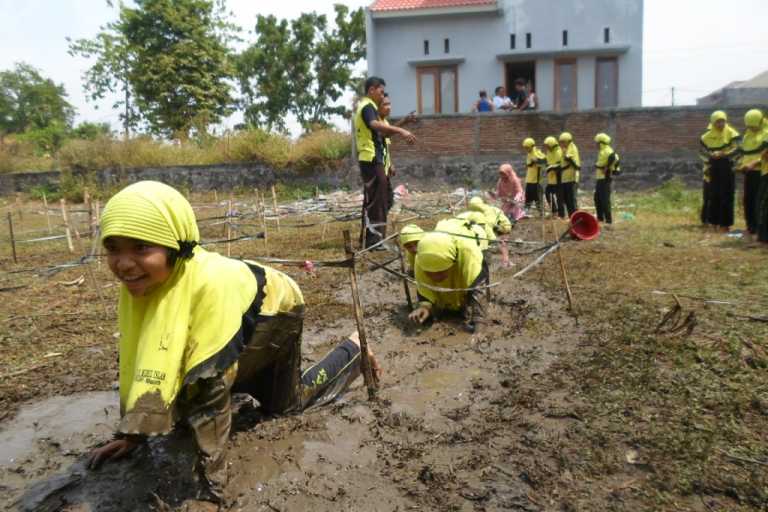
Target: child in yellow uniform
(606, 167)
(570, 168)
(535, 163)
(554, 157)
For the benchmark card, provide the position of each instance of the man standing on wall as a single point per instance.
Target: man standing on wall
(370, 132)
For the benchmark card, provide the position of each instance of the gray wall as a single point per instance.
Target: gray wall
(736, 96)
(480, 38)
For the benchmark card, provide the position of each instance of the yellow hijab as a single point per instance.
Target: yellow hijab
(754, 142)
(716, 140)
(438, 252)
(173, 335)
(410, 233)
(469, 224)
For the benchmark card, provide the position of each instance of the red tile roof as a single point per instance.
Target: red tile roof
(403, 5)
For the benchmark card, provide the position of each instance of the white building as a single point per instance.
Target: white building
(436, 55)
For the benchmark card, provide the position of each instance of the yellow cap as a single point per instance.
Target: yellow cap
(566, 137)
(550, 142)
(529, 143)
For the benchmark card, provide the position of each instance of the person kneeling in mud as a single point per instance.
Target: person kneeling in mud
(445, 261)
(196, 326)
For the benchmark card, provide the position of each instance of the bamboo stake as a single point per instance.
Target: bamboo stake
(405, 281)
(13, 239)
(229, 228)
(568, 293)
(19, 206)
(91, 273)
(325, 228)
(89, 207)
(47, 214)
(67, 230)
(274, 204)
(215, 196)
(365, 363)
(263, 209)
(96, 226)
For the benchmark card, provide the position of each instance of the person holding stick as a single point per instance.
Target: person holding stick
(196, 326)
(569, 170)
(606, 167)
(554, 156)
(454, 264)
(370, 132)
(535, 163)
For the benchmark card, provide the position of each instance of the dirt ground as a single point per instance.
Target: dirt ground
(532, 414)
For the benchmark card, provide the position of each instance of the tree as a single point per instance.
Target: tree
(30, 102)
(171, 59)
(301, 68)
(109, 74)
(90, 131)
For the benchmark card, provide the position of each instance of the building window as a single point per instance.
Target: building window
(437, 90)
(426, 47)
(607, 82)
(528, 40)
(565, 85)
(606, 35)
(565, 38)
(447, 45)
(512, 41)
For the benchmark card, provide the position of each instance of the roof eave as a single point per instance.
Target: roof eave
(437, 11)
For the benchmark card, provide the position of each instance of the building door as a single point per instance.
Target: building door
(565, 85)
(607, 82)
(437, 89)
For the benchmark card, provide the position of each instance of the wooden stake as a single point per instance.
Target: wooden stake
(563, 272)
(229, 228)
(67, 230)
(405, 281)
(263, 209)
(215, 196)
(365, 363)
(325, 228)
(47, 214)
(91, 274)
(89, 207)
(13, 240)
(97, 226)
(274, 204)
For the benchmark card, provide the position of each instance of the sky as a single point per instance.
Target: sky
(695, 46)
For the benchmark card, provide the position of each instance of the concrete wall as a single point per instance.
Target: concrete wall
(480, 42)
(736, 96)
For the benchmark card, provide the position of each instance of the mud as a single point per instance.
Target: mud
(456, 427)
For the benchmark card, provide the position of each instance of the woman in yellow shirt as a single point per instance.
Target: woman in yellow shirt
(535, 163)
(195, 325)
(719, 145)
(751, 148)
(554, 156)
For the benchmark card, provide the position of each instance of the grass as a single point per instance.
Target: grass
(321, 149)
(693, 407)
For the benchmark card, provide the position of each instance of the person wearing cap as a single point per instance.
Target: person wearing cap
(752, 146)
(448, 272)
(410, 235)
(535, 163)
(606, 167)
(554, 157)
(719, 146)
(195, 326)
(570, 168)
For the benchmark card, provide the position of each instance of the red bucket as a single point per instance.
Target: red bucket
(584, 226)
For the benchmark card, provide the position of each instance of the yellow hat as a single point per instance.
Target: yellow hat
(529, 143)
(550, 142)
(437, 252)
(150, 211)
(753, 118)
(602, 138)
(411, 233)
(566, 137)
(476, 204)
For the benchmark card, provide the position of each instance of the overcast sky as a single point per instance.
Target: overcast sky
(695, 46)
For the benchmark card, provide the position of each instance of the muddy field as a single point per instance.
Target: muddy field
(503, 420)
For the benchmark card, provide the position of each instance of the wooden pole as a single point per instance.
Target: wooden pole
(89, 207)
(274, 204)
(229, 228)
(405, 281)
(568, 293)
(365, 363)
(19, 206)
(97, 226)
(13, 240)
(263, 219)
(215, 196)
(67, 230)
(47, 214)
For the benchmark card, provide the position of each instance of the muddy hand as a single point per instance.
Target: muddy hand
(113, 450)
(419, 315)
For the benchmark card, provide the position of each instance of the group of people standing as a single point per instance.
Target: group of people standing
(724, 153)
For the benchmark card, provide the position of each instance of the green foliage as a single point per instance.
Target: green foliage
(301, 68)
(672, 196)
(46, 140)
(170, 59)
(91, 131)
(28, 101)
